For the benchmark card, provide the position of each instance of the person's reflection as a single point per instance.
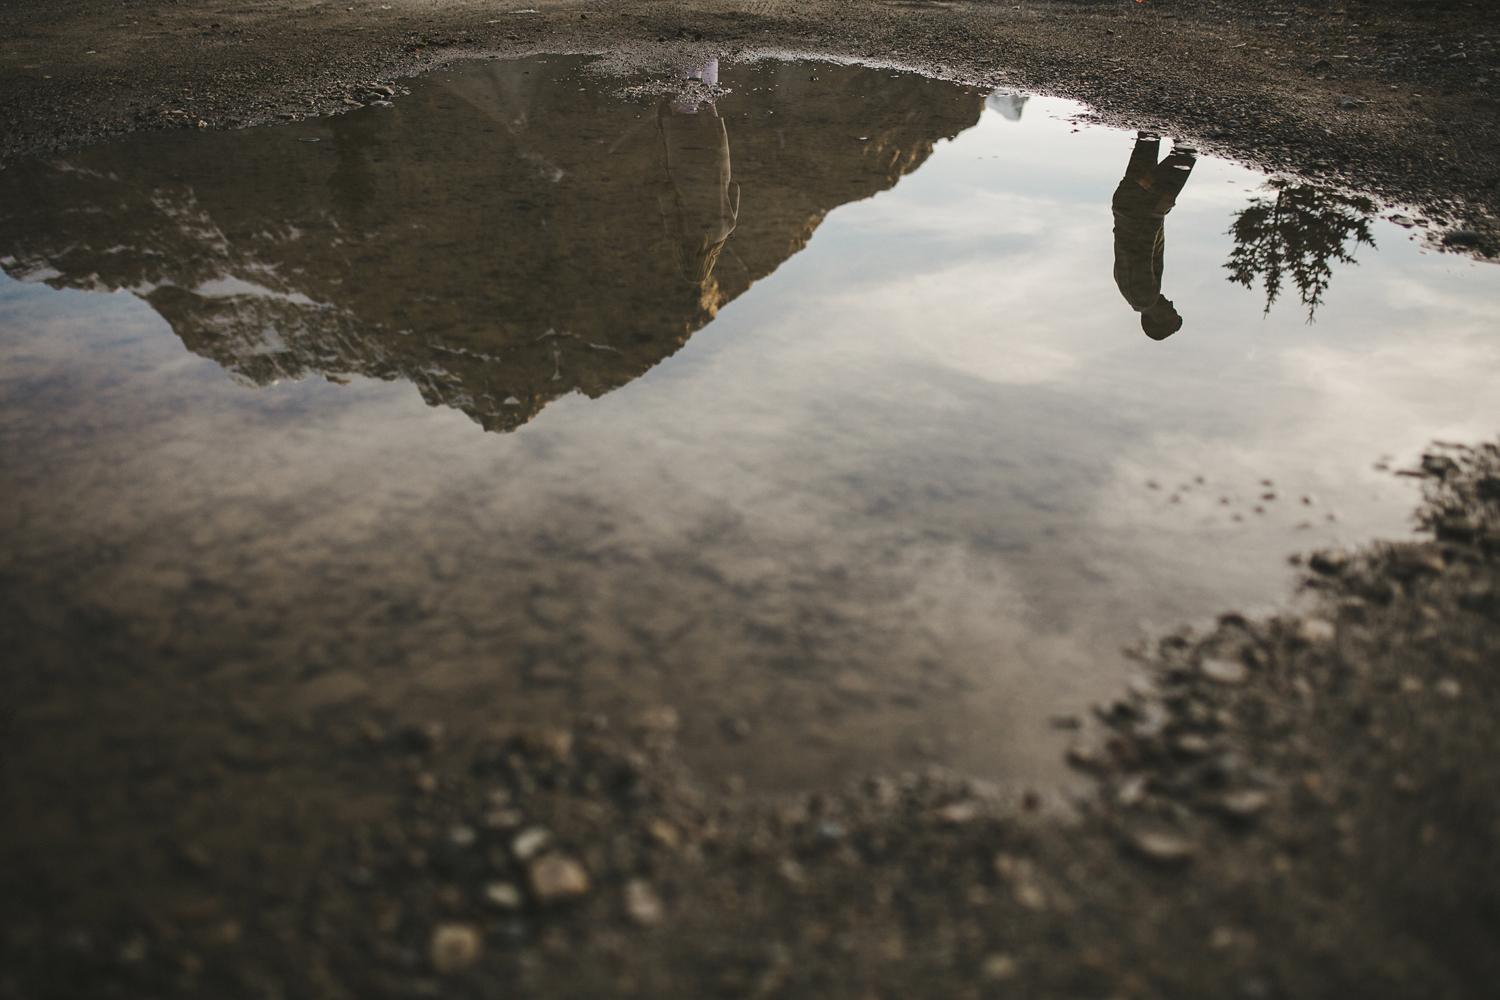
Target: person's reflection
(1141, 203)
(695, 155)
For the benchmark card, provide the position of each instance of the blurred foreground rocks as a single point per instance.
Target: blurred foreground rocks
(1299, 806)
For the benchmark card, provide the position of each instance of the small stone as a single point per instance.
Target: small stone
(959, 812)
(1330, 563)
(503, 895)
(1315, 630)
(1462, 238)
(1412, 685)
(998, 968)
(641, 903)
(134, 951)
(454, 947)
(1194, 744)
(1224, 671)
(528, 842)
(1087, 758)
(1163, 848)
(381, 104)
(503, 819)
(557, 877)
(661, 719)
(1132, 791)
(462, 836)
(1405, 221)
(1245, 804)
(664, 832)
(1350, 102)
(1448, 688)
(195, 857)
(425, 783)
(1030, 895)
(551, 740)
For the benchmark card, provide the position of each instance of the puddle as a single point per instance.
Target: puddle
(820, 410)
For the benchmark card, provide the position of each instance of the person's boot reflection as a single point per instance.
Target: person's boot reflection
(695, 155)
(1141, 203)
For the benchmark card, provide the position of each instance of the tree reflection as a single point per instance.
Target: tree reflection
(1296, 235)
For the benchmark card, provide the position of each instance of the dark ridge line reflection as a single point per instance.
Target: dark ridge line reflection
(503, 237)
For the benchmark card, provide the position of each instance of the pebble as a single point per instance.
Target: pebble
(1350, 102)
(455, 947)
(1132, 791)
(381, 104)
(999, 967)
(1329, 563)
(1163, 848)
(1224, 671)
(1448, 688)
(503, 895)
(503, 819)
(1315, 630)
(661, 719)
(462, 836)
(1194, 744)
(1087, 758)
(528, 842)
(959, 812)
(642, 904)
(551, 740)
(1462, 238)
(1245, 804)
(557, 877)
(665, 833)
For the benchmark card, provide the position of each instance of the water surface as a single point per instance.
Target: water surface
(816, 404)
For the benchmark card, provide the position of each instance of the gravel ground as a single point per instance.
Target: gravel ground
(1295, 807)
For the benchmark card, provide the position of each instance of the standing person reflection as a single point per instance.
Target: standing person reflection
(695, 155)
(1141, 203)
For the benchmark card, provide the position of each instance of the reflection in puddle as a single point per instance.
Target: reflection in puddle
(497, 240)
(1147, 193)
(899, 500)
(1295, 234)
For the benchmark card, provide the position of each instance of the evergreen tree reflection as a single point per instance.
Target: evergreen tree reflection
(1296, 235)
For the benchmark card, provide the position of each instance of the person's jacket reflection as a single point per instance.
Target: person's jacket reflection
(1141, 203)
(703, 210)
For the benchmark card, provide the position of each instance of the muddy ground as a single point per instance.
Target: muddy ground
(1296, 807)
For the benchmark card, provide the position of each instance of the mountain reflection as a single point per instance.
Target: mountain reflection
(506, 235)
(1294, 235)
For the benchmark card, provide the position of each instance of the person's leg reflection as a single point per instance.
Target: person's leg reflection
(1146, 194)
